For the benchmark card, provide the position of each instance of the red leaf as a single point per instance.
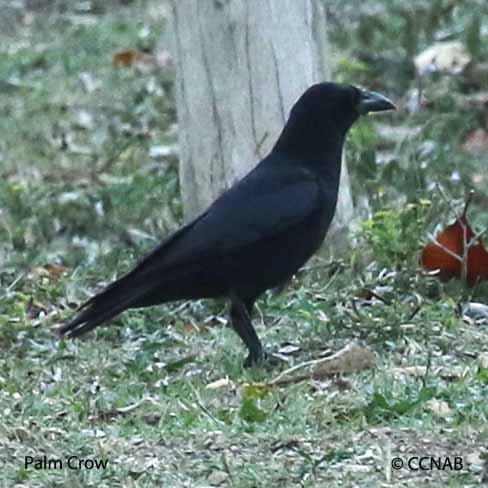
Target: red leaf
(474, 266)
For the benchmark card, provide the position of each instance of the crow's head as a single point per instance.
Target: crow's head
(321, 117)
(339, 104)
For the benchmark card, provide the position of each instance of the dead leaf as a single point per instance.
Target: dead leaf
(438, 407)
(475, 458)
(350, 359)
(222, 383)
(129, 408)
(448, 374)
(132, 57)
(125, 57)
(444, 57)
(192, 328)
(476, 310)
(52, 271)
(162, 151)
(476, 142)
(217, 478)
(483, 360)
(289, 349)
(22, 434)
(416, 371)
(457, 253)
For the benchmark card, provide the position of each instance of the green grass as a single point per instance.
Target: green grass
(81, 198)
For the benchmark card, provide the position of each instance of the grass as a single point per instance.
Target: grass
(81, 197)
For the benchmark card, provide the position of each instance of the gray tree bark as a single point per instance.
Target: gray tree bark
(241, 64)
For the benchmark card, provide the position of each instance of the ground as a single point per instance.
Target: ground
(88, 165)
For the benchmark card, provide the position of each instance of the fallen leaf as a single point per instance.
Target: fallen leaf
(289, 349)
(448, 374)
(455, 253)
(162, 151)
(483, 360)
(416, 371)
(216, 478)
(476, 142)
(192, 328)
(125, 57)
(350, 359)
(131, 57)
(475, 458)
(222, 383)
(131, 407)
(476, 310)
(51, 271)
(438, 407)
(444, 57)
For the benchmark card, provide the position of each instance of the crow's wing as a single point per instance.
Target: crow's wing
(266, 202)
(263, 204)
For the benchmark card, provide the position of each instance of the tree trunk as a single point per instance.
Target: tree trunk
(241, 64)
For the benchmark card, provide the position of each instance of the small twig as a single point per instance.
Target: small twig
(378, 297)
(180, 308)
(349, 359)
(474, 240)
(468, 354)
(318, 462)
(419, 89)
(331, 280)
(114, 157)
(427, 369)
(448, 202)
(204, 409)
(358, 314)
(464, 262)
(9, 287)
(414, 313)
(227, 469)
(468, 203)
(281, 378)
(417, 306)
(261, 314)
(444, 248)
(461, 220)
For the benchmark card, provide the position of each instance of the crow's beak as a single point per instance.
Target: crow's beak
(371, 101)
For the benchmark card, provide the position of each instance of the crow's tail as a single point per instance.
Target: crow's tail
(117, 297)
(133, 289)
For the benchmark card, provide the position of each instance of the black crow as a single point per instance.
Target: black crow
(258, 233)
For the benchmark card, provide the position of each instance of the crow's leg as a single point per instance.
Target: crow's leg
(240, 313)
